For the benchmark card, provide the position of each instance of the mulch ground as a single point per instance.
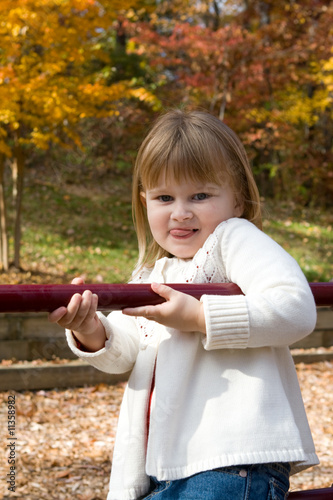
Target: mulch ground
(64, 438)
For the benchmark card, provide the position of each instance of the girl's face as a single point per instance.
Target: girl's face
(182, 215)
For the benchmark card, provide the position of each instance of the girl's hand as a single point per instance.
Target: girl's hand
(180, 311)
(80, 314)
(80, 317)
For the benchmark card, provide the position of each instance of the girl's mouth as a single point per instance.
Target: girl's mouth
(182, 233)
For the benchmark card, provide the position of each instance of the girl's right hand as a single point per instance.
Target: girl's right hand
(80, 314)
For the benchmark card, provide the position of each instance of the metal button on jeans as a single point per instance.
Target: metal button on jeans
(243, 473)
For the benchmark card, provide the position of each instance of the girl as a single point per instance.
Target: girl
(212, 409)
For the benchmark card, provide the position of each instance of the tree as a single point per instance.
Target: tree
(265, 68)
(294, 112)
(48, 83)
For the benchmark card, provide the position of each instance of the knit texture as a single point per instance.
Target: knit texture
(235, 389)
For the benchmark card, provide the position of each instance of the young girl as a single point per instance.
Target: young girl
(212, 409)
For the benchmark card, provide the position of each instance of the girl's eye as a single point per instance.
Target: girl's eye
(200, 196)
(165, 197)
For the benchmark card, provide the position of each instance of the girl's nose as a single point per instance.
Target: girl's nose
(181, 212)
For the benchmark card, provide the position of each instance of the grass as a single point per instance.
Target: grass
(306, 234)
(70, 230)
(85, 228)
(89, 235)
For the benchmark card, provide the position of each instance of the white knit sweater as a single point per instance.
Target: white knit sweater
(231, 397)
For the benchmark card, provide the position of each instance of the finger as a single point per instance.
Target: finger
(93, 307)
(57, 314)
(77, 281)
(65, 314)
(84, 312)
(71, 311)
(163, 290)
(148, 312)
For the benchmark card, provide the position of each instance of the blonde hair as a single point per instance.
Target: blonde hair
(191, 144)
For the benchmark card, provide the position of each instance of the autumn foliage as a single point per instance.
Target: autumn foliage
(264, 67)
(52, 76)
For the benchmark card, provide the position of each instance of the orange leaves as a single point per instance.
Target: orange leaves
(52, 59)
(48, 77)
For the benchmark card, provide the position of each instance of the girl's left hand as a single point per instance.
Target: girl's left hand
(180, 311)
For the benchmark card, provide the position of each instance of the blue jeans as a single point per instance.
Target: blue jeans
(246, 482)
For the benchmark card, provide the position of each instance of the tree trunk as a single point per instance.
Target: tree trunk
(14, 179)
(223, 104)
(3, 220)
(18, 163)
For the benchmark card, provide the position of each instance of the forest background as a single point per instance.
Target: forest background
(80, 83)
(82, 80)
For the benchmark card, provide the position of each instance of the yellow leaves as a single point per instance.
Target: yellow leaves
(258, 115)
(297, 107)
(301, 112)
(326, 75)
(144, 95)
(16, 31)
(98, 100)
(47, 50)
(42, 139)
(4, 148)
(304, 108)
(52, 26)
(294, 105)
(8, 116)
(98, 95)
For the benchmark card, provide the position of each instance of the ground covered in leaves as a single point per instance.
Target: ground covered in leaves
(64, 438)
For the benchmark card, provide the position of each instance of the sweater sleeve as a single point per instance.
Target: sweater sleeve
(121, 347)
(277, 308)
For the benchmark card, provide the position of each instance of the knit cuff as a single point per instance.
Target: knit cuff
(227, 322)
(79, 350)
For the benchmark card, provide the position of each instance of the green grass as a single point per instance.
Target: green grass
(70, 230)
(306, 234)
(86, 229)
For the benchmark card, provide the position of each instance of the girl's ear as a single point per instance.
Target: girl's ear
(239, 207)
(143, 198)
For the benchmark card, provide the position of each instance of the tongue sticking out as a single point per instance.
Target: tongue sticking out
(182, 232)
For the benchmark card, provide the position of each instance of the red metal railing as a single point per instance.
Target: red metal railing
(39, 298)
(321, 494)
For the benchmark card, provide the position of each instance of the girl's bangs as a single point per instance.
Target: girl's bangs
(182, 164)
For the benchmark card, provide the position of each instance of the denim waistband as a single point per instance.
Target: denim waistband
(283, 467)
(279, 467)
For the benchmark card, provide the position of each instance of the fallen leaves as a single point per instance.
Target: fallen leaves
(65, 438)
(316, 381)
(64, 442)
